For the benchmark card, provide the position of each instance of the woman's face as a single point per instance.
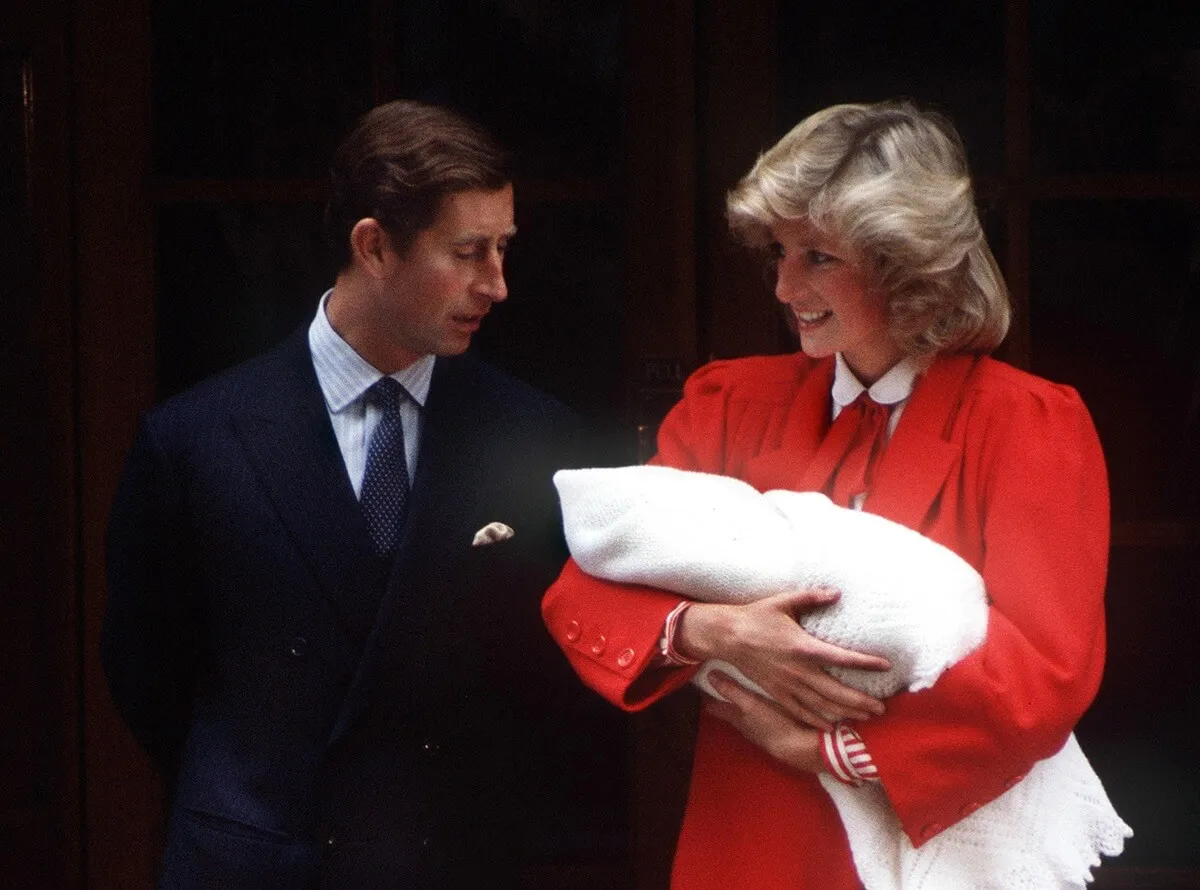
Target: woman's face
(830, 297)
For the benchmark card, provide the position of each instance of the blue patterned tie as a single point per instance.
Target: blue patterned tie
(385, 482)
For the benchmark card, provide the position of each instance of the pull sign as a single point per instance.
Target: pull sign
(663, 373)
(660, 388)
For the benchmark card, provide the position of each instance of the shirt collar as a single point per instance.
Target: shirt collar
(893, 387)
(344, 375)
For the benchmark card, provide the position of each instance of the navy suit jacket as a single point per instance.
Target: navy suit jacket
(326, 719)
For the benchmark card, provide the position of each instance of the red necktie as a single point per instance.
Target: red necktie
(863, 425)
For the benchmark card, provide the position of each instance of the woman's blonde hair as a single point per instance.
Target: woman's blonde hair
(891, 182)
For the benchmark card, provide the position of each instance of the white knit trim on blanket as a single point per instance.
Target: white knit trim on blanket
(717, 539)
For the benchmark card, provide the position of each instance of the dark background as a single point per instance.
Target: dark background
(161, 181)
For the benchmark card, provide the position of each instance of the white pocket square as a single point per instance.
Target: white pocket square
(491, 533)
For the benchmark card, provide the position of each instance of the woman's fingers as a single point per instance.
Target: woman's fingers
(741, 706)
(768, 645)
(796, 603)
(823, 709)
(835, 656)
(834, 692)
(764, 724)
(798, 712)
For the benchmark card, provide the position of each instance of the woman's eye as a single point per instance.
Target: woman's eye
(819, 258)
(775, 250)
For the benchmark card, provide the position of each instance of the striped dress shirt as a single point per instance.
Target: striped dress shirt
(344, 377)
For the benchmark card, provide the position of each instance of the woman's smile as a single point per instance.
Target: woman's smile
(808, 320)
(832, 298)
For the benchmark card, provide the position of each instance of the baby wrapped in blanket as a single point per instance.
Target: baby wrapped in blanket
(918, 604)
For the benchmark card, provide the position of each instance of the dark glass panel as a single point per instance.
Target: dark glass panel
(991, 217)
(948, 54)
(560, 329)
(1141, 734)
(257, 89)
(231, 281)
(542, 75)
(1116, 313)
(1116, 86)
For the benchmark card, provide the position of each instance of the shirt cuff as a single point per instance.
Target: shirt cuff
(846, 756)
(667, 653)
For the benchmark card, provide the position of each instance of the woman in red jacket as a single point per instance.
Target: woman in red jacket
(891, 407)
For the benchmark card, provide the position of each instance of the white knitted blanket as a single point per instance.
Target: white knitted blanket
(716, 539)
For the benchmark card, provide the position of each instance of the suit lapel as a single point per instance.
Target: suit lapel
(447, 481)
(290, 442)
(449, 477)
(919, 455)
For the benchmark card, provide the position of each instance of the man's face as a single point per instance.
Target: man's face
(440, 289)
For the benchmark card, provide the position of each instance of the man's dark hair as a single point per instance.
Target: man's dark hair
(398, 163)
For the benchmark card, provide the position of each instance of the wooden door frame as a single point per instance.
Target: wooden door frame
(699, 106)
(114, 262)
(48, 826)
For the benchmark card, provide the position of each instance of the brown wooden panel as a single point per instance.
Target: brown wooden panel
(40, 788)
(113, 259)
(660, 323)
(736, 63)
(1140, 734)
(659, 176)
(1115, 314)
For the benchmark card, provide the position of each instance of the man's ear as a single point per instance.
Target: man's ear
(371, 247)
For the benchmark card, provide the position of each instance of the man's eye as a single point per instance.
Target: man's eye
(818, 258)
(775, 250)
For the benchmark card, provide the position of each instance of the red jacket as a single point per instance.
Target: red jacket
(1002, 467)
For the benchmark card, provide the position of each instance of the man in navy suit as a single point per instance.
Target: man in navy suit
(323, 597)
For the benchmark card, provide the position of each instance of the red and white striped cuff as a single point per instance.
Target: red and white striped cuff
(666, 645)
(846, 756)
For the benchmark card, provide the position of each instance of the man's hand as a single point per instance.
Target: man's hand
(766, 642)
(766, 725)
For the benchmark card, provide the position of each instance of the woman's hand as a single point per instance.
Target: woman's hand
(766, 725)
(766, 642)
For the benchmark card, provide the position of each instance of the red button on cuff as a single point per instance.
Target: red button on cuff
(625, 659)
(598, 646)
(573, 631)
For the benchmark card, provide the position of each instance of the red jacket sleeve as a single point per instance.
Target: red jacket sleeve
(1034, 492)
(610, 632)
